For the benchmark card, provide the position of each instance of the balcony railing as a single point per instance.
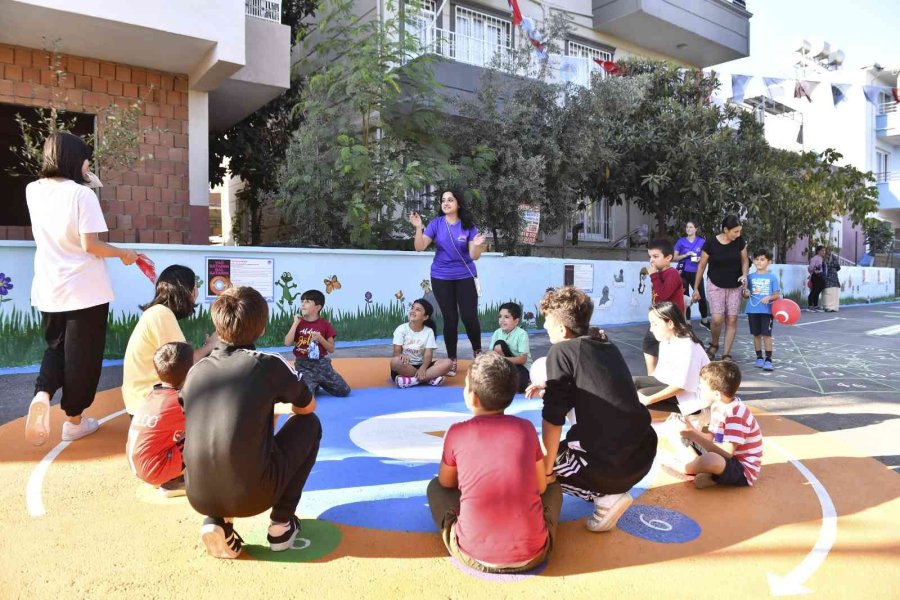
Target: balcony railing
(887, 176)
(887, 107)
(270, 10)
(484, 52)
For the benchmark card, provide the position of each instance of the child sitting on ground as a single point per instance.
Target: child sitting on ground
(611, 444)
(156, 434)
(237, 466)
(734, 442)
(313, 340)
(491, 499)
(762, 290)
(666, 286)
(511, 341)
(414, 346)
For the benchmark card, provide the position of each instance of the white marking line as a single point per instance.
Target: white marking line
(34, 500)
(889, 330)
(817, 322)
(792, 583)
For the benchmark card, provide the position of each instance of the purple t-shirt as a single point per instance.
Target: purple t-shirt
(683, 246)
(447, 263)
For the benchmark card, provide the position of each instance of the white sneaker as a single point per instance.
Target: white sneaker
(72, 432)
(37, 425)
(436, 380)
(404, 382)
(607, 510)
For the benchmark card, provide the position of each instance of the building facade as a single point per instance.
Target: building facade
(196, 67)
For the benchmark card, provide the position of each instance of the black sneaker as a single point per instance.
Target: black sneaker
(705, 323)
(281, 535)
(220, 538)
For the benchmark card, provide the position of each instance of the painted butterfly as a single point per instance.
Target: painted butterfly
(332, 284)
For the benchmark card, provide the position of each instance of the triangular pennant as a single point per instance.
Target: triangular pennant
(609, 66)
(739, 86)
(516, 12)
(773, 86)
(800, 135)
(839, 92)
(872, 92)
(804, 89)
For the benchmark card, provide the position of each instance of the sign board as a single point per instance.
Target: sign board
(579, 275)
(225, 272)
(531, 215)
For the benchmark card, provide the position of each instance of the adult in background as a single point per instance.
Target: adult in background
(71, 287)
(687, 254)
(831, 295)
(174, 300)
(453, 273)
(726, 256)
(816, 270)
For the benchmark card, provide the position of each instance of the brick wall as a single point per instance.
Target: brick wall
(148, 203)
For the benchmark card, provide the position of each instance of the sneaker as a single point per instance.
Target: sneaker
(37, 425)
(281, 535)
(220, 538)
(704, 480)
(436, 380)
(607, 510)
(173, 488)
(452, 371)
(760, 362)
(72, 432)
(705, 323)
(404, 382)
(767, 366)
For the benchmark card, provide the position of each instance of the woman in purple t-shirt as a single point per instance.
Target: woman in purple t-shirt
(687, 254)
(457, 246)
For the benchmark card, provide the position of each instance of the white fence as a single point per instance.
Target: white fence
(270, 10)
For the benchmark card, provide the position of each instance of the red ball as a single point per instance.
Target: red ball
(786, 311)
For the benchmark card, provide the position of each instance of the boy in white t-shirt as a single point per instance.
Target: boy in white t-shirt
(414, 346)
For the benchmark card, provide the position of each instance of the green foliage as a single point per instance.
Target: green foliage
(879, 235)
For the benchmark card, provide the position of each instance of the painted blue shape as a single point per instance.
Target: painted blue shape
(366, 470)
(391, 514)
(657, 524)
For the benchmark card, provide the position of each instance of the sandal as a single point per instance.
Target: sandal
(727, 357)
(711, 351)
(452, 371)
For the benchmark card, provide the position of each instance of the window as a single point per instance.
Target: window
(585, 51)
(882, 162)
(596, 222)
(886, 103)
(481, 38)
(420, 19)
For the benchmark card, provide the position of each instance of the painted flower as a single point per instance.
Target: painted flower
(368, 297)
(426, 286)
(5, 284)
(399, 295)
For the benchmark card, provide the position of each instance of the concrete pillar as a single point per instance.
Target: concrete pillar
(198, 165)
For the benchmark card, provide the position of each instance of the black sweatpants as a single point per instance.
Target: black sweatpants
(818, 284)
(461, 293)
(649, 385)
(687, 280)
(521, 371)
(73, 359)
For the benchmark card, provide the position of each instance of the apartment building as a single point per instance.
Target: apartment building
(198, 66)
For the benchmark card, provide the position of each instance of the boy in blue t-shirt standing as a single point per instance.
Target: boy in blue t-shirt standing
(762, 290)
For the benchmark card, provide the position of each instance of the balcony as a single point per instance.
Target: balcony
(698, 32)
(887, 123)
(888, 190)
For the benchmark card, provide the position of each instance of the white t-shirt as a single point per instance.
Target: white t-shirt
(65, 276)
(680, 361)
(414, 343)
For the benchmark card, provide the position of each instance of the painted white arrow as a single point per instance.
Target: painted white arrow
(792, 583)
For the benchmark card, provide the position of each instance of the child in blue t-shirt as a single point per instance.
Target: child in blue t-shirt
(762, 290)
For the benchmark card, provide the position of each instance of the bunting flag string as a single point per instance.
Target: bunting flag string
(804, 89)
(774, 87)
(739, 87)
(609, 66)
(839, 92)
(516, 12)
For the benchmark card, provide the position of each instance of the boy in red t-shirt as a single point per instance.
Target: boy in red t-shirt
(665, 285)
(491, 499)
(156, 434)
(313, 339)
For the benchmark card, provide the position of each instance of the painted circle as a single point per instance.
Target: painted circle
(657, 524)
(316, 539)
(414, 436)
(219, 284)
(499, 577)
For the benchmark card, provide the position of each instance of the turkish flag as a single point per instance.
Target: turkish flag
(609, 66)
(516, 12)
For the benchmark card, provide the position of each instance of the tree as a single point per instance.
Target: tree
(369, 131)
(255, 147)
(879, 235)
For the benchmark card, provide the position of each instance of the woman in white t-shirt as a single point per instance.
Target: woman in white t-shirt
(675, 384)
(414, 346)
(175, 298)
(71, 287)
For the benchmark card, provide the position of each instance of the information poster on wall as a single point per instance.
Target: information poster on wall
(531, 216)
(223, 273)
(579, 275)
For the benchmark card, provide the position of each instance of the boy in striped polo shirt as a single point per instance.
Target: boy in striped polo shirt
(733, 445)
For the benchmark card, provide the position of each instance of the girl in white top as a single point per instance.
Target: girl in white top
(71, 287)
(175, 297)
(675, 385)
(414, 346)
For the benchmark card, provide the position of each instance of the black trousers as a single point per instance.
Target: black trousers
(458, 298)
(521, 371)
(74, 356)
(818, 284)
(687, 280)
(651, 385)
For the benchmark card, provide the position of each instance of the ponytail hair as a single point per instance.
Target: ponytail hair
(429, 310)
(730, 222)
(670, 313)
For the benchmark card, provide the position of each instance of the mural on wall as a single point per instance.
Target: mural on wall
(362, 304)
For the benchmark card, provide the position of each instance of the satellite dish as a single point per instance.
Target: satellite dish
(836, 58)
(803, 46)
(822, 51)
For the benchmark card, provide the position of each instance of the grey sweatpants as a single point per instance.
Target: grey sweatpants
(320, 373)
